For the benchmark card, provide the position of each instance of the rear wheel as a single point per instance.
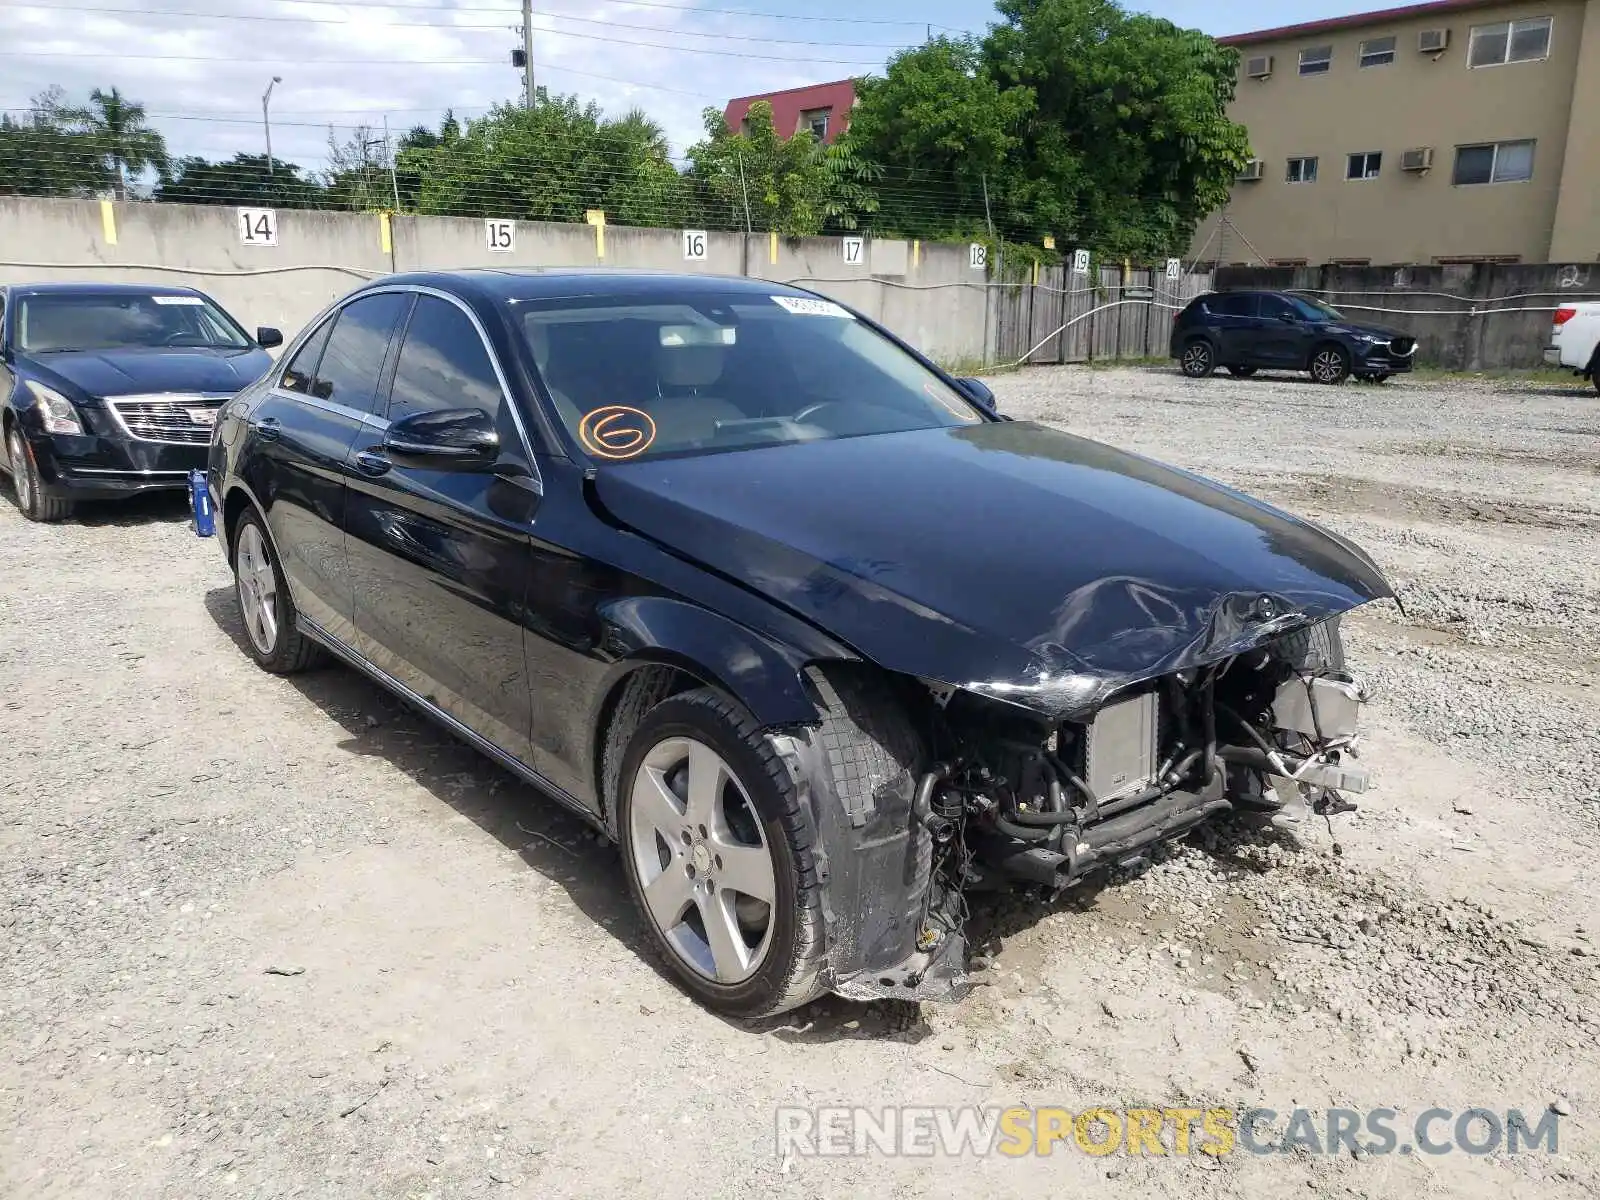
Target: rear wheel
(1241, 372)
(1198, 360)
(1330, 364)
(719, 858)
(31, 498)
(271, 634)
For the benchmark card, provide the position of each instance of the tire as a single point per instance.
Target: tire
(1199, 360)
(1316, 648)
(1330, 364)
(25, 481)
(1241, 372)
(686, 843)
(271, 634)
(1381, 378)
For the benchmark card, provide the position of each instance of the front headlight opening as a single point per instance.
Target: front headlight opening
(56, 412)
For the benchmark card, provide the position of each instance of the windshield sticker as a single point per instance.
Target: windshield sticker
(195, 301)
(805, 306)
(616, 431)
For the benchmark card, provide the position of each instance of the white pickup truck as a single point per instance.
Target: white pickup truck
(1575, 340)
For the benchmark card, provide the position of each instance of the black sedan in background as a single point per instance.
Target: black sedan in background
(108, 390)
(796, 618)
(1283, 331)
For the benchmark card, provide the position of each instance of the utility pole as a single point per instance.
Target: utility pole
(266, 121)
(388, 151)
(527, 53)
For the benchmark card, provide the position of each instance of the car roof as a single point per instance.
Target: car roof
(100, 289)
(532, 283)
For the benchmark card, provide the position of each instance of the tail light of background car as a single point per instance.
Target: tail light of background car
(1563, 315)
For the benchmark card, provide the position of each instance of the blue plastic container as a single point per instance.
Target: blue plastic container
(205, 520)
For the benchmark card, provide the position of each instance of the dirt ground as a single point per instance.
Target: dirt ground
(267, 938)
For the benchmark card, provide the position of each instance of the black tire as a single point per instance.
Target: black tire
(1199, 358)
(1381, 378)
(790, 972)
(287, 651)
(1241, 372)
(1315, 648)
(1330, 363)
(29, 487)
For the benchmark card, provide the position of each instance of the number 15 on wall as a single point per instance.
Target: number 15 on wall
(500, 236)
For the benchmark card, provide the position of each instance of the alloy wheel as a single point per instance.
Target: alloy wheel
(20, 477)
(1328, 366)
(702, 860)
(1196, 359)
(258, 588)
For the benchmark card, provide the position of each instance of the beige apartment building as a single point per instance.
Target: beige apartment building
(1454, 131)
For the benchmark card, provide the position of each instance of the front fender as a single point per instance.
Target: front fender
(761, 672)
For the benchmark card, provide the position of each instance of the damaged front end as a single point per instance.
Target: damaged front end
(1015, 795)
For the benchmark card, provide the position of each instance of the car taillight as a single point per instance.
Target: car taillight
(1563, 315)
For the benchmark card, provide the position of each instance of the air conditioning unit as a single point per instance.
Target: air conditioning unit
(1432, 41)
(1252, 170)
(1419, 159)
(1259, 67)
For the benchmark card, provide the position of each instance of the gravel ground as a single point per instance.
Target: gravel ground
(270, 938)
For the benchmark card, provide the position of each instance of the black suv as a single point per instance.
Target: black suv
(1248, 331)
(758, 591)
(109, 390)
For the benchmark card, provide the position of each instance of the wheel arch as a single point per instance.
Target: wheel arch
(663, 645)
(1322, 343)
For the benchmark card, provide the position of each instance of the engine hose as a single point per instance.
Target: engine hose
(1023, 833)
(1267, 748)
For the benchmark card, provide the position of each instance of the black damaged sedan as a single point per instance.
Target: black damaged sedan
(822, 640)
(109, 390)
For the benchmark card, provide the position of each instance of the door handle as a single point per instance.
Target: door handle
(370, 463)
(267, 429)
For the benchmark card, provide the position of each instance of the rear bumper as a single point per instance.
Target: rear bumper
(1552, 356)
(87, 465)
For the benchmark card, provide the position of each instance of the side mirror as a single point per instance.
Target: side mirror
(443, 439)
(978, 390)
(267, 337)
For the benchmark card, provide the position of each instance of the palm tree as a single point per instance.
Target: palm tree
(126, 142)
(640, 130)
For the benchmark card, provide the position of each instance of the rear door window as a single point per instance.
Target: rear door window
(1233, 304)
(351, 365)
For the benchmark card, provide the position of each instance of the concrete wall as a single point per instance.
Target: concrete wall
(1418, 100)
(1465, 318)
(926, 293)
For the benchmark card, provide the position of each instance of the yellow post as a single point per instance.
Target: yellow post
(385, 237)
(772, 247)
(108, 221)
(916, 251)
(597, 218)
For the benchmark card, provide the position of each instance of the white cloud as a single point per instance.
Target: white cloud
(350, 65)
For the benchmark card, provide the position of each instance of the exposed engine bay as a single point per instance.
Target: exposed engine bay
(1016, 799)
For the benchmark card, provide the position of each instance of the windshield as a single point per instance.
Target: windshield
(641, 376)
(122, 321)
(1316, 310)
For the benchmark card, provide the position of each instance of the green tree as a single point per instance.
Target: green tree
(240, 180)
(946, 135)
(124, 138)
(1128, 143)
(49, 153)
(795, 186)
(551, 163)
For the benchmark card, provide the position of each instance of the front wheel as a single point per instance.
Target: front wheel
(271, 634)
(1330, 364)
(718, 856)
(31, 498)
(1198, 360)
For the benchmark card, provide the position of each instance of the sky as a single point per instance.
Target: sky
(200, 66)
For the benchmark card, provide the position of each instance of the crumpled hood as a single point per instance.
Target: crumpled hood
(130, 372)
(1007, 557)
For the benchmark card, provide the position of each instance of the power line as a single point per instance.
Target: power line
(450, 25)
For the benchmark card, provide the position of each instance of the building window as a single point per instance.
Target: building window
(1474, 260)
(1509, 42)
(1364, 166)
(1301, 170)
(1379, 52)
(815, 121)
(1494, 162)
(1316, 61)
(1286, 262)
(1352, 262)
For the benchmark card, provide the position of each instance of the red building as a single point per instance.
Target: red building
(823, 108)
